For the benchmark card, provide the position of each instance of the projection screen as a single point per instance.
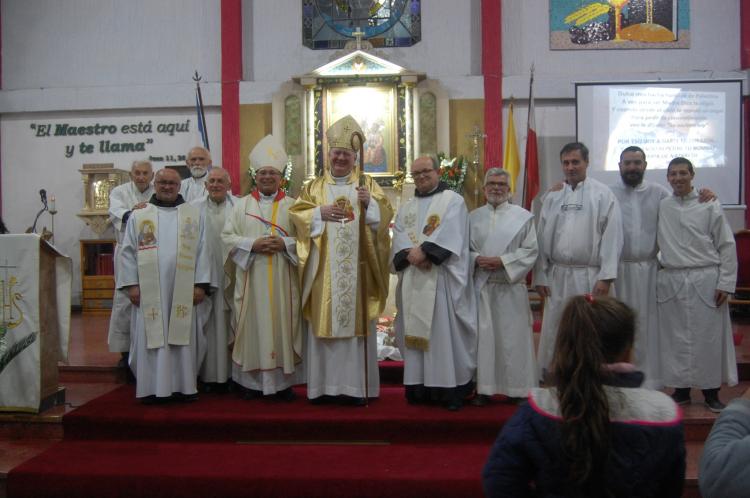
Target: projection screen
(699, 120)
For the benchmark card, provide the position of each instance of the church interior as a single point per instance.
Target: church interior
(89, 86)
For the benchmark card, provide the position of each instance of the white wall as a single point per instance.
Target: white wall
(450, 49)
(104, 54)
(31, 162)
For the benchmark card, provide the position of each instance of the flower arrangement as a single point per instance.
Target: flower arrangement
(453, 171)
(286, 177)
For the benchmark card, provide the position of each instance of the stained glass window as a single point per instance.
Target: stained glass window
(329, 24)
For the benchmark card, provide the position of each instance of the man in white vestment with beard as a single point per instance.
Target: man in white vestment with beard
(504, 250)
(698, 256)
(436, 323)
(215, 208)
(580, 239)
(167, 274)
(199, 162)
(260, 238)
(123, 199)
(636, 275)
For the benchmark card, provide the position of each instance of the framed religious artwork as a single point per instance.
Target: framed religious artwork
(374, 107)
(619, 24)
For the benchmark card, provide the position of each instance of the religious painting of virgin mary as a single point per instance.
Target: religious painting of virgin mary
(374, 108)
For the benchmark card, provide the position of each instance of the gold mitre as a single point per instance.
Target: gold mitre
(339, 134)
(268, 152)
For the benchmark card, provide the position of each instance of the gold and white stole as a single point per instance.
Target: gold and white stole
(181, 315)
(506, 221)
(418, 287)
(343, 250)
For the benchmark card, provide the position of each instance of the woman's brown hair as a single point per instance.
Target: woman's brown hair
(592, 333)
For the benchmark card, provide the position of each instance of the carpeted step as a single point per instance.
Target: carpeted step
(226, 417)
(104, 469)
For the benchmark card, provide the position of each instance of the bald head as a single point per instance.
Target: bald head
(167, 185)
(218, 184)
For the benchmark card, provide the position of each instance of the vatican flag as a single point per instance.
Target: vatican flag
(511, 162)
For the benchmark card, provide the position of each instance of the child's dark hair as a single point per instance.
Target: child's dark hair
(593, 331)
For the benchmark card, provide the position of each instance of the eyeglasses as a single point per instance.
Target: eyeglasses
(422, 172)
(167, 183)
(496, 185)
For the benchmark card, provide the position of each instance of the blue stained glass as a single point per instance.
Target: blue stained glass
(329, 24)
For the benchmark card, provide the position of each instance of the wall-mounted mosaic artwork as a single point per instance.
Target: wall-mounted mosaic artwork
(619, 24)
(329, 24)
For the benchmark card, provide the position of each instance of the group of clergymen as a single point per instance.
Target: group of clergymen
(271, 292)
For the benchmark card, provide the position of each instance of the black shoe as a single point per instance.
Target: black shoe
(480, 400)
(249, 394)
(185, 398)
(352, 401)
(323, 400)
(286, 395)
(714, 404)
(155, 400)
(454, 406)
(681, 396)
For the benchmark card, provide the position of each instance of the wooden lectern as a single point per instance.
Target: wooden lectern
(35, 323)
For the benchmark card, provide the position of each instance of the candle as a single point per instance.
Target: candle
(52, 203)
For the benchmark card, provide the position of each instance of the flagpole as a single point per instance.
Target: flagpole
(204, 134)
(528, 120)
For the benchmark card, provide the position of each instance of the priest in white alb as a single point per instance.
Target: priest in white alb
(342, 219)
(260, 239)
(503, 250)
(199, 162)
(698, 256)
(436, 323)
(215, 208)
(167, 274)
(580, 239)
(123, 199)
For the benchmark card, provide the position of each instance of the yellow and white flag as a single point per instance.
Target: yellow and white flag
(511, 163)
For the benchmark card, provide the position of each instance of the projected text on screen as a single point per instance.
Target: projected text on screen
(669, 122)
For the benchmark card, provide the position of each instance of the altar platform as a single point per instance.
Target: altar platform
(220, 445)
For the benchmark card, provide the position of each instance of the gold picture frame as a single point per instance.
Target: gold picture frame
(374, 107)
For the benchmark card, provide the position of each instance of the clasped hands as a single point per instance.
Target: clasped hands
(418, 258)
(489, 263)
(269, 244)
(334, 213)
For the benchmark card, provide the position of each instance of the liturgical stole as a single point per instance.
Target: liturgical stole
(181, 314)
(419, 287)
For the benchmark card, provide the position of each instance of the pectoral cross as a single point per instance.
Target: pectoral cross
(153, 313)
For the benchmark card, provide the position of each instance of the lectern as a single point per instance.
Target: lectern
(35, 324)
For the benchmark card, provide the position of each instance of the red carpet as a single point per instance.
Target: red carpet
(224, 446)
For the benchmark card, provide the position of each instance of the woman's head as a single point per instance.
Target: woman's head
(593, 331)
(601, 326)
